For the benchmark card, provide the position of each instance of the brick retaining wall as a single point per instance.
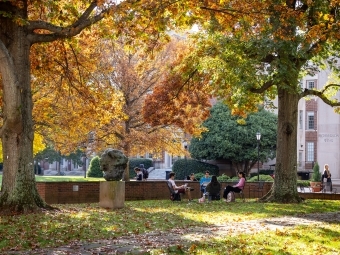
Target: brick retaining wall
(88, 192)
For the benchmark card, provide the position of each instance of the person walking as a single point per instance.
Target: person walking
(327, 175)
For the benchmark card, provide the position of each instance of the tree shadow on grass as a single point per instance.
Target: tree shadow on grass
(161, 220)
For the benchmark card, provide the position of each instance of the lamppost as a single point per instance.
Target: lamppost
(84, 164)
(83, 155)
(258, 138)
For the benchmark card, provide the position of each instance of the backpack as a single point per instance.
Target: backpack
(145, 173)
(231, 197)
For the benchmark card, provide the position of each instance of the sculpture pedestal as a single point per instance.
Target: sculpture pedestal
(112, 194)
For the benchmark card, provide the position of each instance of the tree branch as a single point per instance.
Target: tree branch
(321, 95)
(231, 11)
(57, 32)
(263, 88)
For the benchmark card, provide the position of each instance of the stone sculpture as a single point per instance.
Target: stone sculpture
(113, 163)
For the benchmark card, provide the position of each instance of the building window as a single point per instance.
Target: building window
(310, 120)
(311, 84)
(301, 119)
(310, 151)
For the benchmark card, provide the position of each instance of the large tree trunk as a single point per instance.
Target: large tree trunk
(284, 189)
(18, 193)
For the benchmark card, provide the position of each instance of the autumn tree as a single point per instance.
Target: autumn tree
(175, 101)
(109, 104)
(255, 51)
(233, 138)
(79, 98)
(57, 26)
(135, 74)
(250, 52)
(23, 24)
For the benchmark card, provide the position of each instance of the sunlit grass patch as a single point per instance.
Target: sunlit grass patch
(89, 222)
(299, 240)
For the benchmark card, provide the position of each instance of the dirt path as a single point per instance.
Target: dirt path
(155, 240)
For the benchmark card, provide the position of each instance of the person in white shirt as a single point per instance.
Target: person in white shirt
(179, 189)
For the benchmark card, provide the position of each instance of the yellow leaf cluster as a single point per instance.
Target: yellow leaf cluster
(38, 145)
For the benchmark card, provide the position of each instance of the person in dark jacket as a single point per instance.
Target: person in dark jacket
(139, 174)
(328, 176)
(144, 171)
(191, 177)
(213, 188)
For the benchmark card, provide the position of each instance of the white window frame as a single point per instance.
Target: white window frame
(311, 84)
(310, 152)
(310, 120)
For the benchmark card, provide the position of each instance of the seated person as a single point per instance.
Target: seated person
(179, 189)
(236, 188)
(191, 177)
(204, 181)
(213, 189)
(139, 174)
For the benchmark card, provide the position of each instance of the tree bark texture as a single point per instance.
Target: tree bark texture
(18, 192)
(284, 189)
(17, 34)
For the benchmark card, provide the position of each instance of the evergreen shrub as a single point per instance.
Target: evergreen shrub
(316, 177)
(223, 178)
(262, 171)
(263, 177)
(198, 176)
(184, 167)
(94, 168)
(303, 183)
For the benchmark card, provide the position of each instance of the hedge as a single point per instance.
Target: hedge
(135, 162)
(184, 167)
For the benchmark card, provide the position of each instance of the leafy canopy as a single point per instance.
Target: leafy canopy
(234, 138)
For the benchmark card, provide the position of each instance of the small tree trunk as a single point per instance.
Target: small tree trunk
(284, 189)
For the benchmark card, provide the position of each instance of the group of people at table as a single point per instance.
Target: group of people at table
(209, 185)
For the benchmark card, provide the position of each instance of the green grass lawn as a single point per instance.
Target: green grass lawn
(89, 222)
(39, 178)
(66, 179)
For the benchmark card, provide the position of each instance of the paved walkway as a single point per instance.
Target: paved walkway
(145, 243)
(158, 174)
